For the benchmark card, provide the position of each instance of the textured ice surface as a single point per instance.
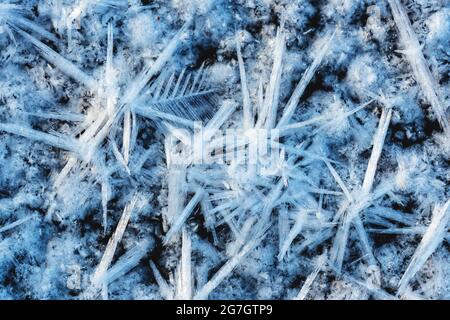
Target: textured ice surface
(224, 149)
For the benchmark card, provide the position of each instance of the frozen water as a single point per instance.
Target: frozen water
(224, 149)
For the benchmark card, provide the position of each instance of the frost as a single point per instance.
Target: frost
(432, 238)
(413, 52)
(102, 268)
(224, 150)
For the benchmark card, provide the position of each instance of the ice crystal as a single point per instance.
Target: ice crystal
(224, 149)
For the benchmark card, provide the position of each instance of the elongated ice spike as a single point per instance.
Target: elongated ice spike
(128, 261)
(126, 140)
(29, 25)
(338, 248)
(418, 63)
(378, 143)
(65, 143)
(298, 225)
(184, 280)
(283, 225)
(241, 236)
(210, 220)
(64, 172)
(16, 223)
(430, 242)
(105, 197)
(60, 62)
(391, 214)
(176, 192)
(340, 243)
(367, 249)
(248, 113)
(108, 255)
(110, 49)
(304, 81)
(269, 112)
(179, 221)
(326, 119)
(339, 181)
(118, 155)
(134, 131)
(110, 85)
(260, 107)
